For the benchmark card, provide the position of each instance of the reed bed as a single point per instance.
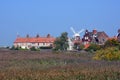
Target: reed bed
(35, 65)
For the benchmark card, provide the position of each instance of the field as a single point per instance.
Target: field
(48, 65)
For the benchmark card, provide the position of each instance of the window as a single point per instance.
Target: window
(103, 40)
(86, 37)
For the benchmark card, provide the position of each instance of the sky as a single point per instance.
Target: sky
(56, 16)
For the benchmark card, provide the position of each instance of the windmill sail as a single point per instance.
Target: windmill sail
(81, 31)
(73, 30)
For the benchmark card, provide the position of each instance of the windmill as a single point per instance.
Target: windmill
(70, 43)
(76, 34)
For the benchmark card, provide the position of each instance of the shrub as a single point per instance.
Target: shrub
(93, 47)
(45, 47)
(110, 53)
(78, 46)
(14, 48)
(8, 47)
(81, 47)
(111, 43)
(34, 49)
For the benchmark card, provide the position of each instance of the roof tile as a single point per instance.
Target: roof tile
(34, 40)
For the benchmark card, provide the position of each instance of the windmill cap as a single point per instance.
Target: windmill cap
(77, 35)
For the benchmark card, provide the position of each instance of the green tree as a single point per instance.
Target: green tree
(61, 42)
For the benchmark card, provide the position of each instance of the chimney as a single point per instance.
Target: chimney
(94, 31)
(48, 36)
(37, 36)
(27, 36)
(86, 31)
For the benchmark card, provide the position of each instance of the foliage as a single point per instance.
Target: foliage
(8, 47)
(111, 43)
(34, 49)
(81, 47)
(110, 53)
(14, 48)
(17, 48)
(61, 42)
(45, 47)
(78, 46)
(93, 47)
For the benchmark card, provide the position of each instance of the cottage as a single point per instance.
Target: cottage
(95, 37)
(28, 42)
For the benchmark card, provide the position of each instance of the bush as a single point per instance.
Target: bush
(111, 53)
(81, 47)
(8, 47)
(78, 46)
(93, 47)
(45, 47)
(17, 48)
(34, 49)
(112, 43)
(14, 48)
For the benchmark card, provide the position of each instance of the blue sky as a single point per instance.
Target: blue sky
(56, 16)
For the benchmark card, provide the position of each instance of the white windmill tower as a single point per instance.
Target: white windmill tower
(76, 34)
(70, 43)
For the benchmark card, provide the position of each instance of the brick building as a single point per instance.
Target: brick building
(28, 42)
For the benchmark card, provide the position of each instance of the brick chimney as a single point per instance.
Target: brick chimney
(27, 36)
(48, 36)
(37, 36)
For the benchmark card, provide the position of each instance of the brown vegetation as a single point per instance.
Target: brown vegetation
(35, 65)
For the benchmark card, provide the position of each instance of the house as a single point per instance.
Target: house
(86, 38)
(118, 36)
(37, 42)
(95, 37)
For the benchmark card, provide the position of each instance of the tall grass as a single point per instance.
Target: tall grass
(27, 65)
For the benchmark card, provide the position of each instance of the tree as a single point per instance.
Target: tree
(61, 42)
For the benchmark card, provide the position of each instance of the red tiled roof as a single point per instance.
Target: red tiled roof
(86, 46)
(34, 40)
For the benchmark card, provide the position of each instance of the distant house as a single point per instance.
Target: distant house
(118, 36)
(28, 42)
(95, 37)
(86, 38)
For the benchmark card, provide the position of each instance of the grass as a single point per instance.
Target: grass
(35, 65)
